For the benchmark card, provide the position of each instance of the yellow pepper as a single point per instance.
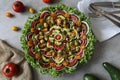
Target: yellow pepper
(8, 14)
(30, 43)
(37, 56)
(15, 28)
(31, 10)
(65, 63)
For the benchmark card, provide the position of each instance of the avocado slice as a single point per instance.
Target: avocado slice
(45, 59)
(58, 61)
(48, 19)
(61, 16)
(58, 43)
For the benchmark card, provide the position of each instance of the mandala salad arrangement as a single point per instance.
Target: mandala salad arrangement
(57, 40)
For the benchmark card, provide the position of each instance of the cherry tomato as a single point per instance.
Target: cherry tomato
(10, 70)
(48, 1)
(18, 6)
(8, 14)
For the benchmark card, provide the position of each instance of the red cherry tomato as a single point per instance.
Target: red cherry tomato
(10, 70)
(48, 1)
(18, 6)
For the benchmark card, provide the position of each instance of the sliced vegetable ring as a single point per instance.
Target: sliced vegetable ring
(57, 39)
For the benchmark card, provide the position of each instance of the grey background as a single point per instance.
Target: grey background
(107, 51)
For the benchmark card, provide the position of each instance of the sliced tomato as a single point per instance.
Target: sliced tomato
(65, 41)
(72, 62)
(59, 48)
(59, 67)
(51, 31)
(74, 18)
(60, 12)
(44, 14)
(31, 52)
(34, 23)
(84, 28)
(49, 43)
(44, 65)
(29, 36)
(81, 52)
(83, 42)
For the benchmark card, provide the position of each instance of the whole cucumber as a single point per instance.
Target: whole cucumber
(112, 70)
(90, 77)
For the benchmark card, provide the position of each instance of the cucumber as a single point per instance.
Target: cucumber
(112, 70)
(90, 77)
